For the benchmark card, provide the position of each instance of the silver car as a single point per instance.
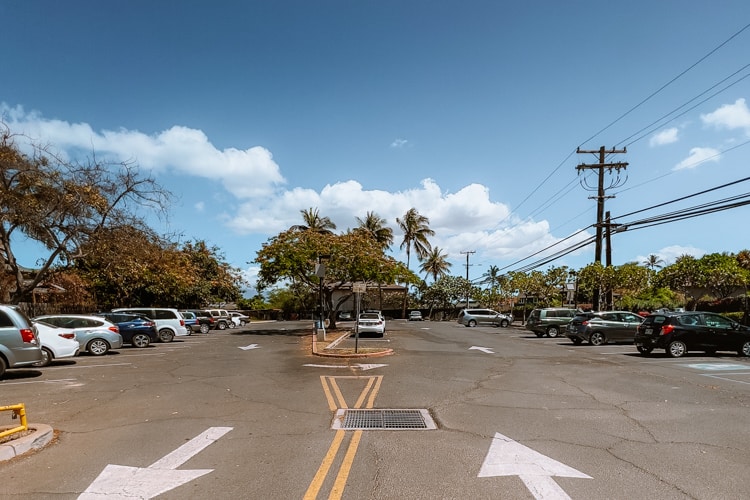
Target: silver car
(474, 317)
(95, 335)
(19, 344)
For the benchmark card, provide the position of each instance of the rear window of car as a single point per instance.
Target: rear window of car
(369, 316)
(164, 314)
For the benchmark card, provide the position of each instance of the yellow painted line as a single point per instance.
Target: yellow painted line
(333, 393)
(325, 466)
(327, 391)
(346, 466)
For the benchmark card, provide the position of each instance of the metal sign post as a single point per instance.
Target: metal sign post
(358, 289)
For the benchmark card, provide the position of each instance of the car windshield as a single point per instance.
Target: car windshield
(369, 316)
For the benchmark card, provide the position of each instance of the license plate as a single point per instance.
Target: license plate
(649, 331)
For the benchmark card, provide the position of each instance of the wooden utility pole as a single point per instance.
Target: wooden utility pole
(600, 197)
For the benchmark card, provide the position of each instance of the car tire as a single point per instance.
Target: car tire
(597, 338)
(47, 357)
(577, 341)
(644, 350)
(140, 340)
(553, 332)
(97, 347)
(472, 323)
(166, 335)
(221, 325)
(504, 323)
(205, 328)
(676, 349)
(745, 349)
(243, 322)
(3, 366)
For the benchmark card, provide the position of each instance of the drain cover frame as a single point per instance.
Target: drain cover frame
(383, 419)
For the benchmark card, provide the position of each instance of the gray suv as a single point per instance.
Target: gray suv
(549, 321)
(19, 345)
(474, 317)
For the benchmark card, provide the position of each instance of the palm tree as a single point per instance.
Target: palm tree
(314, 222)
(374, 226)
(492, 276)
(435, 264)
(653, 262)
(416, 230)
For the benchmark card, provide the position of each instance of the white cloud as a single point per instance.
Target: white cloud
(667, 136)
(399, 143)
(244, 173)
(730, 116)
(200, 206)
(669, 254)
(698, 156)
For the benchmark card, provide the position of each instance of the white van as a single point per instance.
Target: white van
(169, 322)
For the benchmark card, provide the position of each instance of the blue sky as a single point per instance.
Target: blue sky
(471, 112)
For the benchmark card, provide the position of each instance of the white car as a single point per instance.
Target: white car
(56, 342)
(371, 322)
(239, 319)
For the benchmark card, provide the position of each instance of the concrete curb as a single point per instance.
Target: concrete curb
(40, 437)
(384, 352)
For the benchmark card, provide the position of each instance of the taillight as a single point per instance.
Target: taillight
(70, 336)
(27, 334)
(666, 329)
(114, 328)
(182, 322)
(585, 322)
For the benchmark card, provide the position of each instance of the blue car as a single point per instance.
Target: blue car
(135, 329)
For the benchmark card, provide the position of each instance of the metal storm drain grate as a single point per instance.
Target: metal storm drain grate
(392, 420)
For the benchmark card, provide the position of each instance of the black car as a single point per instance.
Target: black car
(598, 328)
(680, 332)
(135, 329)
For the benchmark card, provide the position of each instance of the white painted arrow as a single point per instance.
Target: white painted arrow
(509, 458)
(251, 346)
(120, 482)
(486, 350)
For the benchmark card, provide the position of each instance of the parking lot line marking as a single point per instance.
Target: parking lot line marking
(56, 381)
(333, 394)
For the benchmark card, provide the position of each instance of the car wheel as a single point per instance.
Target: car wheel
(597, 338)
(222, 325)
(205, 328)
(745, 349)
(46, 357)
(243, 322)
(166, 335)
(98, 347)
(553, 331)
(577, 341)
(504, 323)
(644, 350)
(472, 323)
(676, 349)
(3, 366)
(140, 340)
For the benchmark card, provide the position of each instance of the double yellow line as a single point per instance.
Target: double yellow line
(336, 400)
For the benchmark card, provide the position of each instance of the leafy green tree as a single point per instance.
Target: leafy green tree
(315, 222)
(653, 262)
(416, 229)
(435, 264)
(62, 205)
(376, 228)
(291, 257)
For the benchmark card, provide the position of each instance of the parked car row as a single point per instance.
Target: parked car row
(40, 340)
(677, 332)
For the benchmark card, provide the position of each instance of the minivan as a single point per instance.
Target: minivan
(549, 321)
(169, 321)
(474, 317)
(19, 343)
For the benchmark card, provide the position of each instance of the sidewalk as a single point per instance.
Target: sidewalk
(339, 344)
(37, 437)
